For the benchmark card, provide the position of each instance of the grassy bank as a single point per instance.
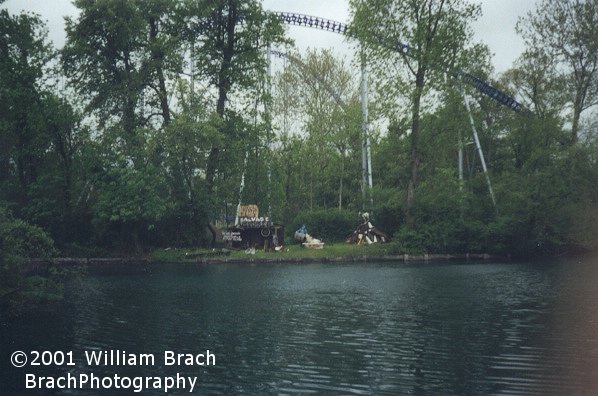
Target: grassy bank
(290, 253)
(297, 253)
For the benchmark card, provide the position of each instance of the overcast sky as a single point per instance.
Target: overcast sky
(496, 27)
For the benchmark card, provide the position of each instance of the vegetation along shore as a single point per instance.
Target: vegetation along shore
(154, 123)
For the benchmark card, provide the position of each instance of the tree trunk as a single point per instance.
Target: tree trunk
(224, 85)
(158, 57)
(415, 160)
(340, 187)
(129, 122)
(577, 108)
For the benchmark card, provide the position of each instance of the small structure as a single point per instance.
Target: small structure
(367, 233)
(307, 240)
(252, 231)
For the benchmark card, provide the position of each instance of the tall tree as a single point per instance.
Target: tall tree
(184, 144)
(101, 59)
(535, 80)
(163, 58)
(68, 137)
(566, 32)
(24, 56)
(117, 55)
(41, 133)
(229, 38)
(435, 32)
(327, 97)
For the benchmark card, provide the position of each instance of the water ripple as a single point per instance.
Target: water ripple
(346, 328)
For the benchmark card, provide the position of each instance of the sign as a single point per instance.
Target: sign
(234, 236)
(255, 222)
(249, 211)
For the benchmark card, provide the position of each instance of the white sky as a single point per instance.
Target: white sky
(496, 27)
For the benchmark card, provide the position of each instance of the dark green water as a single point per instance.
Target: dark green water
(502, 328)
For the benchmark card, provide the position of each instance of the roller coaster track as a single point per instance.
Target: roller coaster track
(291, 18)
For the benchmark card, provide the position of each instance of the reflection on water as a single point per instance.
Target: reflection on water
(337, 328)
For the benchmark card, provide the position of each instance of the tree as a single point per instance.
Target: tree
(325, 94)
(24, 56)
(231, 36)
(42, 135)
(129, 204)
(21, 290)
(117, 55)
(535, 80)
(435, 32)
(67, 136)
(184, 144)
(566, 33)
(164, 55)
(53, 197)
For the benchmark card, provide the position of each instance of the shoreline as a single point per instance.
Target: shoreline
(402, 258)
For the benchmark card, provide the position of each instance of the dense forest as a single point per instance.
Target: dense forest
(137, 133)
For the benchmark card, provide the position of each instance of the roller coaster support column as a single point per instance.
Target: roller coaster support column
(460, 143)
(269, 127)
(478, 146)
(241, 188)
(366, 153)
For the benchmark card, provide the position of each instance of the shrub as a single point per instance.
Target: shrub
(21, 289)
(331, 225)
(388, 219)
(18, 238)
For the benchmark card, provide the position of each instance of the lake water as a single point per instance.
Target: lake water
(353, 328)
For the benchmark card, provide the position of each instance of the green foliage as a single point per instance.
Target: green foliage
(436, 34)
(230, 58)
(440, 224)
(330, 225)
(130, 202)
(320, 167)
(539, 209)
(388, 218)
(116, 56)
(24, 58)
(21, 288)
(20, 239)
(129, 195)
(563, 35)
(161, 146)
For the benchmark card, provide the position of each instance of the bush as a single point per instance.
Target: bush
(330, 225)
(388, 219)
(20, 288)
(18, 238)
